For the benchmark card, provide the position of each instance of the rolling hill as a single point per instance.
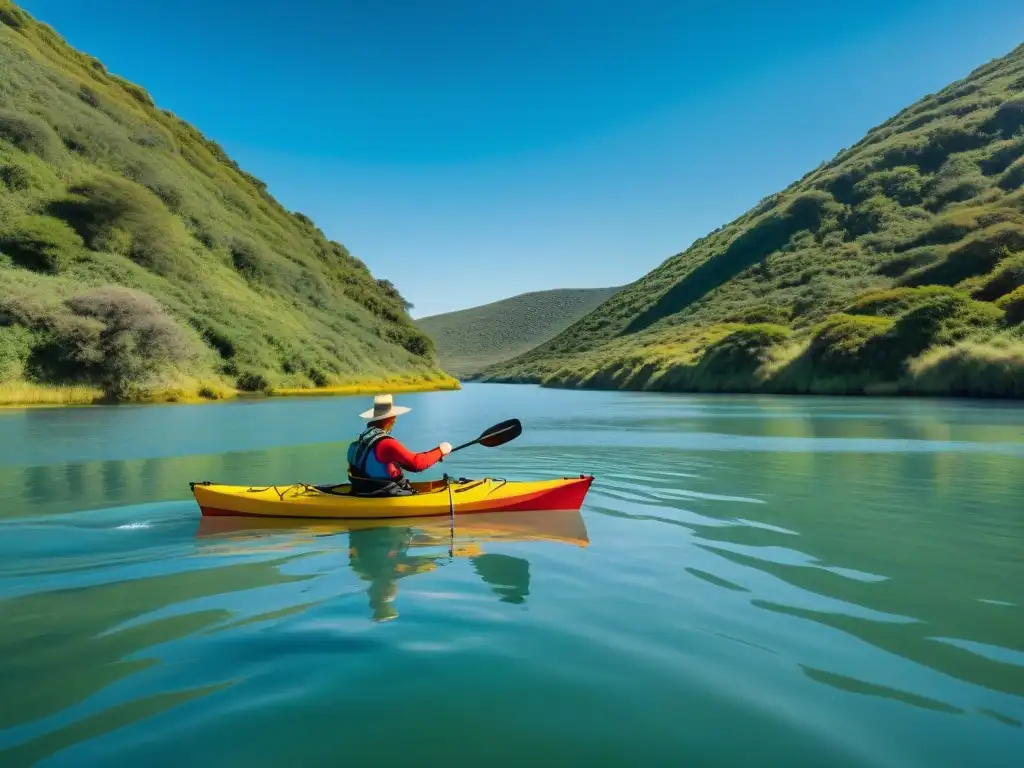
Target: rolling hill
(137, 260)
(472, 339)
(896, 267)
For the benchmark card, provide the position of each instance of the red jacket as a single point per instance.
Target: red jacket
(393, 454)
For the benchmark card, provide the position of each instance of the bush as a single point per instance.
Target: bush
(136, 92)
(903, 184)
(1002, 157)
(1008, 119)
(159, 182)
(1013, 305)
(89, 96)
(871, 215)
(388, 289)
(896, 301)
(13, 16)
(974, 257)
(15, 347)
(958, 179)
(838, 345)
(740, 353)
(42, 244)
(17, 178)
(900, 265)
(943, 319)
(252, 381)
(1013, 178)
(773, 314)
(119, 215)
(970, 369)
(1008, 277)
(29, 134)
(252, 261)
(133, 338)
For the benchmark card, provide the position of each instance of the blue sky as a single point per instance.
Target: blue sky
(469, 150)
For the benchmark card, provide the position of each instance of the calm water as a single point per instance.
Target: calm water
(822, 582)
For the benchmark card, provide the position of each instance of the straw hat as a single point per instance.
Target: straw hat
(383, 407)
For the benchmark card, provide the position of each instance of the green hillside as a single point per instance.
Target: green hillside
(896, 267)
(139, 261)
(472, 339)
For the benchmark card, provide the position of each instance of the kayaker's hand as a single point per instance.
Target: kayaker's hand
(445, 448)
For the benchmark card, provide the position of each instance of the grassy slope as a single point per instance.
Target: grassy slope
(471, 339)
(897, 266)
(225, 288)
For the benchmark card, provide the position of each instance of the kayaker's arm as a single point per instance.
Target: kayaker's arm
(394, 452)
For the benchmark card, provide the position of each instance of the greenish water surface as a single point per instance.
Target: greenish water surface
(751, 581)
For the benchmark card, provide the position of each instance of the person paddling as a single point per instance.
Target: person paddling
(376, 459)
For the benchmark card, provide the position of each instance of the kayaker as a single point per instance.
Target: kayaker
(376, 460)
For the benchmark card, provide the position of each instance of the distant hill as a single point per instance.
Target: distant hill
(137, 258)
(471, 339)
(896, 267)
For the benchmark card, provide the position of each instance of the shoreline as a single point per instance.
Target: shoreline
(63, 396)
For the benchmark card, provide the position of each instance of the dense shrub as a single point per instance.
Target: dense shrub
(1008, 119)
(1008, 276)
(136, 92)
(12, 16)
(123, 217)
(986, 370)
(871, 215)
(251, 260)
(1013, 304)
(900, 265)
(976, 256)
(773, 314)
(158, 181)
(41, 243)
(252, 381)
(16, 178)
(1013, 178)
(902, 184)
(838, 345)
(942, 319)
(741, 352)
(1002, 156)
(896, 301)
(89, 96)
(15, 347)
(958, 179)
(29, 134)
(130, 338)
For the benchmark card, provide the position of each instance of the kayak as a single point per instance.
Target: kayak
(431, 499)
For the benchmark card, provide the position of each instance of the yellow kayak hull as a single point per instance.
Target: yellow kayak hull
(431, 499)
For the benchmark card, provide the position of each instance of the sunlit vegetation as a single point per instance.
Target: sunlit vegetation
(138, 261)
(471, 339)
(896, 267)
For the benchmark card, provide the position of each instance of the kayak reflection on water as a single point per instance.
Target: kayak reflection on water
(382, 552)
(381, 556)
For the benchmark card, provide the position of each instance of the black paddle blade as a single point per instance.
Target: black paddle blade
(502, 433)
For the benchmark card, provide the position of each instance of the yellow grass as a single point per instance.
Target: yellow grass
(394, 386)
(23, 393)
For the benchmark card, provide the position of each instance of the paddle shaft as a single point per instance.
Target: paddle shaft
(482, 437)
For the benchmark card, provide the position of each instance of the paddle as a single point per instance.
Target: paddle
(497, 435)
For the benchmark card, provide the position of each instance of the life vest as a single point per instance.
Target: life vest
(367, 474)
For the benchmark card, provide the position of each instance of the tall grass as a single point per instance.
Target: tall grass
(24, 393)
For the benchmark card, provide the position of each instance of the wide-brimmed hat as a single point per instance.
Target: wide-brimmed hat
(383, 408)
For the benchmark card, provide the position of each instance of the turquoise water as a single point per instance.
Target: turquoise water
(750, 581)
